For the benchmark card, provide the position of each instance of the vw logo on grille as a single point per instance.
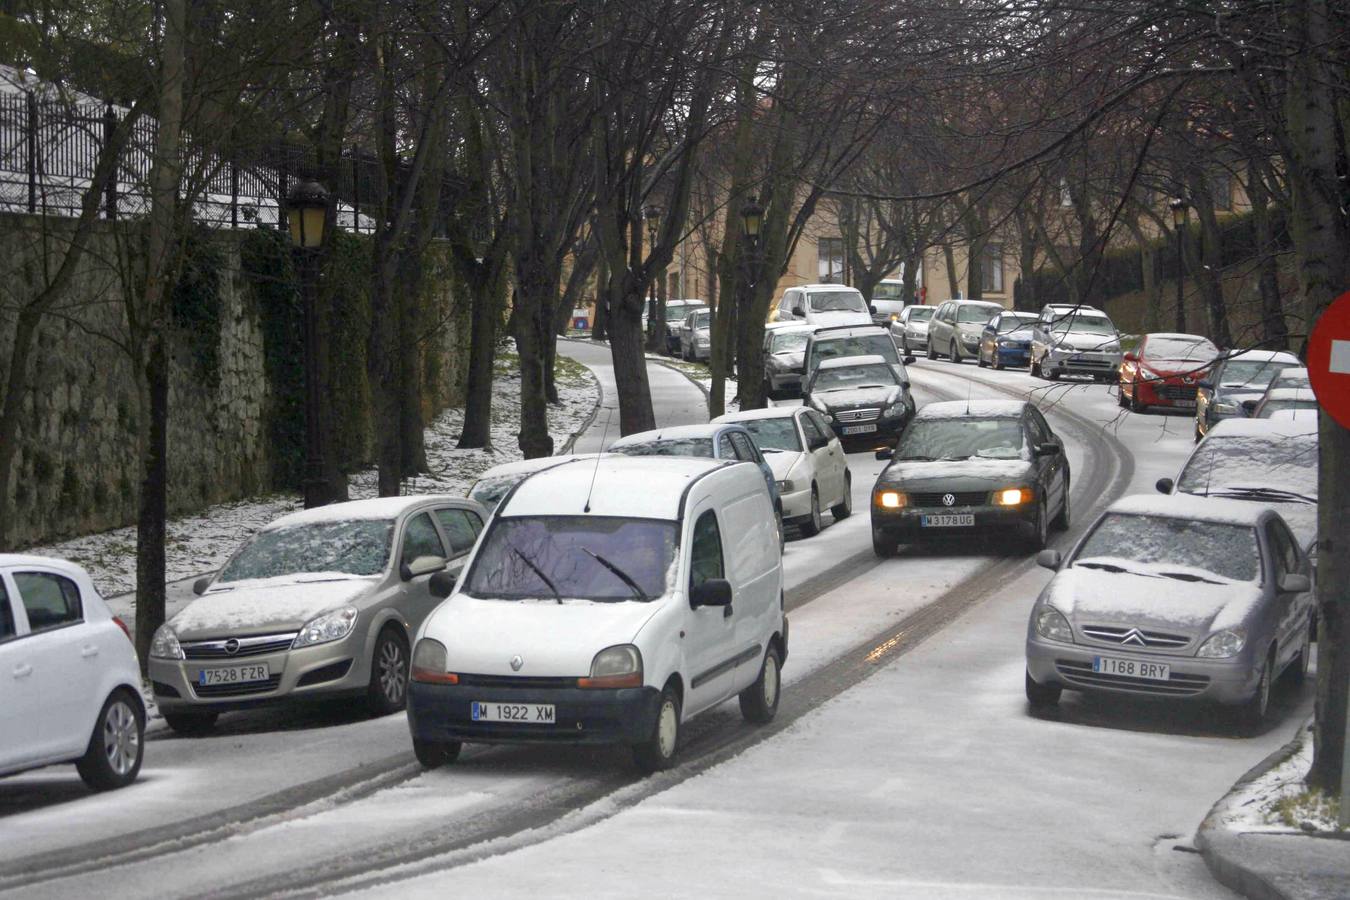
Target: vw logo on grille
(1133, 636)
(232, 646)
(516, 663)
(948, 499)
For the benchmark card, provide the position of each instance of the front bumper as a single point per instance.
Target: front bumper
(886, 433)
(1083, 362)
(1015, 355)
(906, 524)
(786, 381)
(915, 339)
(701, 350)
(443, 712)
(1166, 392)
(1227, 681)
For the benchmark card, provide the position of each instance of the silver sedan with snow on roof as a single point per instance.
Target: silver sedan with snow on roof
(1176, 597)
(318, 603)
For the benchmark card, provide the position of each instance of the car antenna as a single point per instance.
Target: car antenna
(969, 385)
(596, 470)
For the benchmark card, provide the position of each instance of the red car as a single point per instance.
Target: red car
(1165, 370)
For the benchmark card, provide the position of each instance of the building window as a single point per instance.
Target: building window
(1221, 190)
(1065, 195)
(991, 269)
(831, 256)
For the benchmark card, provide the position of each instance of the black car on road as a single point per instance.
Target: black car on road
(865, 398)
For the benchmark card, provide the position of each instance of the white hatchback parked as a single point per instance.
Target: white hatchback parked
(68, 676)
(607, 604)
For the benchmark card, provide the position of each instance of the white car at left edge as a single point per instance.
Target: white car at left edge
(68, 676)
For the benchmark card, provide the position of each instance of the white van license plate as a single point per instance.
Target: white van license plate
(1131, 668)
(521, 713)
(859, 429)
(948, 521)
(233, 674)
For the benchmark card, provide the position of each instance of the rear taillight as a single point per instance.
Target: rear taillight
(125, 630)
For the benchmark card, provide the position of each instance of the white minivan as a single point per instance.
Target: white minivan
(607, 604)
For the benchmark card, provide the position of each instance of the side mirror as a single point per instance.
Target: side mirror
(422, 565)
(1164, 485)
(886, 453)
(872, 308)
(1249, 406)
(1048, 448)
(201, 584)
(442, 584)
(799, 312)
(911, 360)
(713, 592)
(1048, 559)
(1294, 583)
(1205, 385)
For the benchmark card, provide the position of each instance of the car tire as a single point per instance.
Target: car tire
(434, 754)
(1040, 530)
(1136, 405)
(1252, 713)
(782, 529)
(979, 359)
(388, 690)
(1035, 366)
(1042, 696)
(930, 351)
(811, 527)
(904, 347)
(657, 752)
(191, 724)
(759, 702)
(1121, 400)
(884, 547)
(996, 362)
(845, 507)
(113, 757)
(768, 392)
(1062, 521)
(955, 353)
(1053, 374)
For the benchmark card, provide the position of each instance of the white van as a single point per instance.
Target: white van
(606, 603)
(823, 305)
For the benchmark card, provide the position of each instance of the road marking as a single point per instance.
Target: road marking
(1340, 358)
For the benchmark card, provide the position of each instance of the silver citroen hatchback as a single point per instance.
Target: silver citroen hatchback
(318, 603)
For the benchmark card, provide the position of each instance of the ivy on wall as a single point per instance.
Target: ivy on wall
(195, 303)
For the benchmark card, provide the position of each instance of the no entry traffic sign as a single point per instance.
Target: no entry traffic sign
(1329, 360)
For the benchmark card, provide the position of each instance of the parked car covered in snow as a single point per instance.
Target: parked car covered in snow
(1241, 376)
(1165, 369)
(1081, 341)
(865, 400)
(696, 335)
(1176, 597)
(910, 331)
(784, 358)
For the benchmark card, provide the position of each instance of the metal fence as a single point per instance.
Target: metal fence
(49, 150)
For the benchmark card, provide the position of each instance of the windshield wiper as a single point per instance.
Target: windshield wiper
(772, 450)
(624, 576)
(918, 457)
(540, 572)
(1261, 492)
(1188, 576)
(1105, 567)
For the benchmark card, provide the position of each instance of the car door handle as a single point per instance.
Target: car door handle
(88, 651)
(23, 670)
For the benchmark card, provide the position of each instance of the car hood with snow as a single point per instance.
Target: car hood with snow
(1139, 598)
(854, 398)
(1084, 340)
(958, 475)
(267, 605)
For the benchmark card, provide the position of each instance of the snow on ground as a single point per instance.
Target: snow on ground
(1278, 802)
(201, 542)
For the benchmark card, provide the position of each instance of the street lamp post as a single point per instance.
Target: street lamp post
(655, 327)
(307, 211)
(1179, 207)
(752, 220)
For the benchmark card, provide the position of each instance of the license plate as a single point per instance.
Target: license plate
(955, 520)
(859, 429)
(1078, 359)
(1184, 404)
(1131, 668)
(233, 674)
(521, 713)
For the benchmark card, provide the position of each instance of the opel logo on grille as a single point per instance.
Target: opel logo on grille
(516, 663)
(232, 646)
(948, 499)
(1188, 379)
(1133, 636)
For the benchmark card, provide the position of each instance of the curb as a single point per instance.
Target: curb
(590, 420)
(1218, 845)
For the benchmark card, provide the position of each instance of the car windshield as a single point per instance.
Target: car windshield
(888, 290)
(789, 341)
(1199, 351)
(1270, 407)
(845, 378)
(490, 491)
(1009, 322)
(962, 438)
(677, 313)
(669, 447)
(1259, 464)
(1089, 324)
(774, 434)
(976, 315)
(1228, 550)
(861, 345)
(352, 547)
(566, 557)
(836, 301)
(1249, 372)
(921, 313)
(1292, 377)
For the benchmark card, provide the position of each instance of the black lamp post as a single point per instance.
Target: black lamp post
(752, 219)
(652, 214)
(307, 212)
(1179, 207)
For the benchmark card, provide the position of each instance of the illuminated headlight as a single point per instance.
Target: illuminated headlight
(1223, 644)
(1051, 624)
(1012, 496)
(331, 626)
(1007, 344)
(615, 667)
(895, 316)
(164, 645)
(891, 499)
(429, 663)
(786, 486)
(895, 410)
(1226, 407)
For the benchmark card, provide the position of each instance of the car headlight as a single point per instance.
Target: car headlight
(615, 667)
(1223, 644)
(971, 338)
(164, 645)
(888, 499)
(1112, 347)
(1006, 343)
(1226, 407)
(1051, 624)
(331, 626)
(429, 663)
(786, 486)
(1013, 496)
(895, 316)
(895, 410)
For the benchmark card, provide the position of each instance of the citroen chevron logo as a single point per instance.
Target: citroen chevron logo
(1134, 636)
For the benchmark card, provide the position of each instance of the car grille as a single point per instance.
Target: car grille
(963, 498)
(1090, 363)
(1134, 637)
(1080, 673)
(237, 690)
(247, 646)
(515, 681)
(1176, 392)
(857, 415)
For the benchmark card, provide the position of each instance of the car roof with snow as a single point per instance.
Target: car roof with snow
(1177, 336)
(527, 466)
(672, 433)
(826, 332)
(1192, 506)
(1262, 355)
(1261, 428)
(644, 487)
(827, 287)
(974, 409)
(1290, 393)
(9, 560)
(372, 508)
(769, 412)
(843, 362)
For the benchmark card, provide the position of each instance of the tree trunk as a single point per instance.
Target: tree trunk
(412, 430)
(486, 312)
(630, 364)
(910, 279)
(1274, 330)
(953, 282)
(536, 295)
(1210, 263)
(384, 372)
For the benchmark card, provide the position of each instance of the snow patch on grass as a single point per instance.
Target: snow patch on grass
(1279, 801)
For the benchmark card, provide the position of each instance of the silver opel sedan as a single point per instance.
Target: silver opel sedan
(1181, 597)
(318, 603)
